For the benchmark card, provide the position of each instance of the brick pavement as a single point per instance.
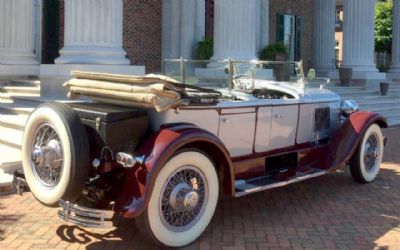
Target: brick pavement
(323, 213)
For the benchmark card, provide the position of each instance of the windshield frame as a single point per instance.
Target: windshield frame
(301, 79)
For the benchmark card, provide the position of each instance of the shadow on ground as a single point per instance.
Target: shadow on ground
(6, 219)
(125, 235)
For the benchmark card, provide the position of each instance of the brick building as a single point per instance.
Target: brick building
(50, 38)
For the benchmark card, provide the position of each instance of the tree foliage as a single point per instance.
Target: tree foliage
(383, 26)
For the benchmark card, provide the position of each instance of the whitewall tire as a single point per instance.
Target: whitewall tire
(366, 162)
(183, 200)
(55, 153)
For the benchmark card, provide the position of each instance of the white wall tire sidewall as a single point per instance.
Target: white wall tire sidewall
(162, 233)
(370, 176)
(49, 196)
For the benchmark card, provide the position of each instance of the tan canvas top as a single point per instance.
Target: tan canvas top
(160, 92)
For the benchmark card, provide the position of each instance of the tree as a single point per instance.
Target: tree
(383, 26)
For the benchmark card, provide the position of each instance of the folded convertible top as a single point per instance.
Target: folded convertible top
(160, 92)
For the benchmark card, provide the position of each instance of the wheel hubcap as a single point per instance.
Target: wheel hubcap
(371, 153)
(183, 199)
(47, 155)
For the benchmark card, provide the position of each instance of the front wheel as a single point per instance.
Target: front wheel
(183, 200)
(366, 162)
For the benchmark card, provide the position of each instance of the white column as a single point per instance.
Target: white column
(166, 24)
(235, 29)
(324, 35)
(396, 38)
(358, 35)
(188, 24)
(175, 29)
(264, 23)
(16, 32)
(93, 33)
(200, 29)
(183, 26)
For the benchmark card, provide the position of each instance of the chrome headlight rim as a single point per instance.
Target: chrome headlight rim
(348, 107)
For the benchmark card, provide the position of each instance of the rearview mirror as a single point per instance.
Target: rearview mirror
(311, 75)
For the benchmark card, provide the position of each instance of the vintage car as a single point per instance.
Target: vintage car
(161, 151)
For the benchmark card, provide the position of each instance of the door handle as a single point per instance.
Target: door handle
(278, 116)
(225, 120)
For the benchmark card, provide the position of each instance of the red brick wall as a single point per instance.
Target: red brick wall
(61, 24)
(302, 8)
(141, 32)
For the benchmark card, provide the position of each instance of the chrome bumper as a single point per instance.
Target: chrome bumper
(85, 217)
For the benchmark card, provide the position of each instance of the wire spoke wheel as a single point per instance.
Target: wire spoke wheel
(366, 162)
(47, 155)
(372, 153)
(183, 198)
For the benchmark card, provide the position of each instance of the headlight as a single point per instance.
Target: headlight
(348, 107)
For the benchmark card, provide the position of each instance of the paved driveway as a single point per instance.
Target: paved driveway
(324, 213)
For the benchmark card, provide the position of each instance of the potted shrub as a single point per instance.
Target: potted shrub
(205, 49)
(277, 52)
(384, 87)
(345, 75)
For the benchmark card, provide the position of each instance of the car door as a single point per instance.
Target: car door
(263, 130)
(284, 119)
(237, 130)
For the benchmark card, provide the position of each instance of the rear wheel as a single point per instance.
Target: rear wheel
(183, 200)
(55, 153)
(366, 162)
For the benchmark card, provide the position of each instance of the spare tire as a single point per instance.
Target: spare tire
(55, 153)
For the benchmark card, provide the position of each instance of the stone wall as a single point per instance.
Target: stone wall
(302, 8)
(141, 32)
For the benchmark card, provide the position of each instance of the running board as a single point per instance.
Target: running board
(245, 187)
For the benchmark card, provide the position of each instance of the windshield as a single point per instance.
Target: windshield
(232, 74)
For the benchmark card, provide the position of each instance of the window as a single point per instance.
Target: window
(289, 32)
(339, 20)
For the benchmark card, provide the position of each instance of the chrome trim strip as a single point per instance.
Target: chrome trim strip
(86, 217)
(279, 184)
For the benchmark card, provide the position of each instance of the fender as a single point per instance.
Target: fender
(345, 141)
(157, 150)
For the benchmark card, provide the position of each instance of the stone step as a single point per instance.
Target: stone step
(368, 93)
(6, 182)
(388, 114)
(21, 108)
(13, 121)
(393, 121)
(22, 90)
(10, 158)
(371, 103)
(24, 82)
(10, 161)
(20, 96)
(383, 109)
(11, 137)
(344, 89)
